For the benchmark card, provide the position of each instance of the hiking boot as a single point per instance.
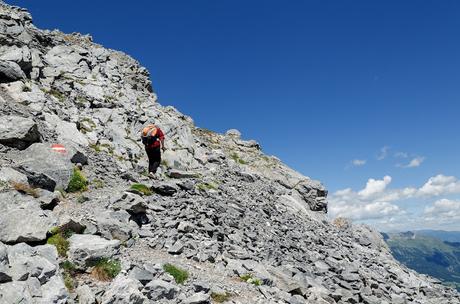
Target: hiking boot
(152, 175)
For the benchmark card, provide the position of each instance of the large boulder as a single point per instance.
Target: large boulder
(15, 292)
(46, 167)
(39, 262)
(67, 132)
(54, 291)
(124, 290)
(10, 175)
(22, 220)
(158, 290)
(85, 248)
(10, 71)
(18, 132)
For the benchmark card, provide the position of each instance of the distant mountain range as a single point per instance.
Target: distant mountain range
(432, 252)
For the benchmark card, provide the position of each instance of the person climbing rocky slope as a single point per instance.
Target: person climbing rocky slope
(81, 222)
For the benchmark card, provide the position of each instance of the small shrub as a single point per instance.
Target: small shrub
(249, 278)
(180, 275)
(141, 188)
(69, 282)
(81, 199)
(220, 297)
(26, 189)
(207, 186)
(57, 94)
(105, 269)
(98, 184)
(237, 159)
(69, 271)
(78, 181)
(96, 148)
(60, 242)
(341, 223)
(68, 266)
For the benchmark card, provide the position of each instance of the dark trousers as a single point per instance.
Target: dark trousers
(154, 155)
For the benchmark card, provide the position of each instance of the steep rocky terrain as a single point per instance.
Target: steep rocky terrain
(80, 222)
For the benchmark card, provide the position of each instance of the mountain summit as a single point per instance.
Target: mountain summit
(82, 222)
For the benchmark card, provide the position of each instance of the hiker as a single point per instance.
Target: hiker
(154, 141)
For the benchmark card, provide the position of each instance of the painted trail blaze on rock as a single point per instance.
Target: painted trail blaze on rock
(58, 148)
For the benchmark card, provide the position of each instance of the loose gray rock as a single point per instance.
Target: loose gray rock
(18, 132)
(159, 289)
(85, 295)
(22, 219)
(124, 290)
(198, 298)
(10, 71)
(86, 248)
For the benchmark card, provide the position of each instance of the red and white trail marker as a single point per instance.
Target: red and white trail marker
(59, 148)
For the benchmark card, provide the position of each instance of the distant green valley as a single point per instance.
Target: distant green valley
(428, 252)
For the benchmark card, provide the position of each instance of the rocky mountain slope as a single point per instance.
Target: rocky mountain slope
(81, 223)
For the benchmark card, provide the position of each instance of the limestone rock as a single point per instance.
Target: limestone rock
(86, 248)
(46, 168)
(10, 71)
(18, 132)
(22, 220)
(124, 290)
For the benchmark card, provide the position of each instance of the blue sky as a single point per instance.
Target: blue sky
(323, 85)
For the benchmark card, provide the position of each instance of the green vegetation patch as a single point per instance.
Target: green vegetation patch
(238, 159)
(180, 275)
(249, 278)
(69, 271)
(97, 183)
(145, 190)
(60, 242)
(105, 269)
(78, 181)
(207, 186)
(220, 297)
(57, 94)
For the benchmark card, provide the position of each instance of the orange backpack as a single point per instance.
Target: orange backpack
(149, 135)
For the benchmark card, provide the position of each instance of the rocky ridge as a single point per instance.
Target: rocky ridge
(245, 227)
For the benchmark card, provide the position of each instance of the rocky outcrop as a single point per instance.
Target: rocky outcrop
(241, 224)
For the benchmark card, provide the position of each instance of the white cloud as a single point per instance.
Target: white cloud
(377, 201)
(358, 162)
(415, 162)
(440, 185)
(383, 153)
(443, 210)
(374, 187)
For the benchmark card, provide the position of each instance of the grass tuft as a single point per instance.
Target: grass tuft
(78, 182)
(207, 186)
(26, 189)
(97, 183)
(105, 269)
(141, 188)
(60, 242)
(238, 159)
(69, 271)
(249, 278)
(180, 275)
(220, 297)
